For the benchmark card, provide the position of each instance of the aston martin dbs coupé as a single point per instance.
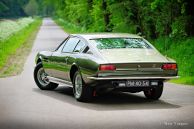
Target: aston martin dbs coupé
(93, 63)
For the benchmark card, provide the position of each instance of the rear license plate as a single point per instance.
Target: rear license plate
(137, 83)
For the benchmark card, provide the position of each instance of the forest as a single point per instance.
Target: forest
(150, 18)
(168, 24)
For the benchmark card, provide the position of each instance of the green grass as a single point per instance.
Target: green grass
(15, 49)
(184, 80)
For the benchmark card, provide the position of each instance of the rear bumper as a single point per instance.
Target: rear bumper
(129, 78)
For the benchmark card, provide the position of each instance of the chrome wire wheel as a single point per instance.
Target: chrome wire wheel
(81, 91)
(42, 77)
(78, 86)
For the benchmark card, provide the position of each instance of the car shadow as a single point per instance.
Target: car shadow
(108, 101)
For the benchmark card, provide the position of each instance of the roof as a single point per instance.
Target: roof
(107, 35)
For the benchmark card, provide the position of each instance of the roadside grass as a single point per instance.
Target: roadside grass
(184, 80)
(14, 50)
(69, 27)
(9, 27)
(181, 50)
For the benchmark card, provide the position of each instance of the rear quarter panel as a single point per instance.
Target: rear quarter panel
(88, 65)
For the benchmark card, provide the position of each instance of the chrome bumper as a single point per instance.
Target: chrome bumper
(130, 78)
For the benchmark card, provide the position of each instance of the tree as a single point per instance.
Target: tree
(12, 8)
(3, 7)
(31, 8)
(151, 18)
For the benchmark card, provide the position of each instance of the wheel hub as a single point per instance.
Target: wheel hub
(42, 77)
(78, 86)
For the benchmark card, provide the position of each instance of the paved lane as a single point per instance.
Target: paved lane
(24, 106)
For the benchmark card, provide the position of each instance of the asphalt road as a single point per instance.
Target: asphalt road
(24, 106)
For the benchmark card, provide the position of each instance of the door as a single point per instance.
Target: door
(60, 58)
(49, 65)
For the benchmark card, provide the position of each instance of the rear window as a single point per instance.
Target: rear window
(112, 43)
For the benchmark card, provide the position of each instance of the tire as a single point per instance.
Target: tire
(41, 79)
(154, 93)
(81, 92)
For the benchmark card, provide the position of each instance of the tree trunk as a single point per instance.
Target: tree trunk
(106, 16)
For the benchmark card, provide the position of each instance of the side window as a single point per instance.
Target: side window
(70, 45)
(61, 44)
(79, 46)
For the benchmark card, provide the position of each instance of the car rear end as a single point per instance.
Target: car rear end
(137, 67)
(135, 74)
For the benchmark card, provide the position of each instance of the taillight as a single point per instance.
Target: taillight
(169, 66)
(107, 67)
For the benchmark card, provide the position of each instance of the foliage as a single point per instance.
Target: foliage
(10, 45)
(31, 8)
(151, 18)
(12, 8)
(3, 7)
(181, 51)
(179, 27)
(69, 27)
(10, 27)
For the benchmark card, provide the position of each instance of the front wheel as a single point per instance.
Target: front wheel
(154, 93)
(81, 91)
(41, 79)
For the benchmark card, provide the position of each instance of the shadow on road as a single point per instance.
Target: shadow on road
(109, 101)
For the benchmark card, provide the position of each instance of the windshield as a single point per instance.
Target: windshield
(112, 43)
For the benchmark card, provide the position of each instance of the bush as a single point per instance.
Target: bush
(10, 27)
(181, 51)
(179, 28)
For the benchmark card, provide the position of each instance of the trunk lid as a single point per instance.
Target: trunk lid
(132, 55)
(135, 62)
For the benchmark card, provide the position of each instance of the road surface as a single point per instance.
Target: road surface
(24, 106)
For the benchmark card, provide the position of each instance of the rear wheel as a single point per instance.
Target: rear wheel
(154, 93)
(81, 91)
(41, 79)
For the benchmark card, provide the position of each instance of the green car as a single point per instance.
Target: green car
(94, 63)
